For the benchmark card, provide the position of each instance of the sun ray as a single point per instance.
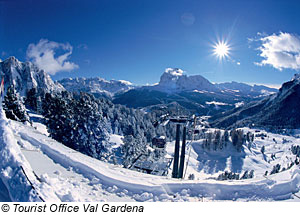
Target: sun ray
(221, 50)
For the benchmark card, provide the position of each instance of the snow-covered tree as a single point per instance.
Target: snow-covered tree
(76, 122)
(296, 150)
(228, 176)
(217, 143)
(132, 149)
(245, 175)
(84, 123)
(238, 139)
(59, 116)
(249, 137)
(191, 177)
(31, 99)
(262, 150)
(14, 107)
(251, 174)
(275, 169)
(91, 127)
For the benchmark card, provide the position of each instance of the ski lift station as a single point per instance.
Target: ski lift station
(158, 163)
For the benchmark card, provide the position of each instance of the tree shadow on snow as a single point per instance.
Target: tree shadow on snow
(211, 161)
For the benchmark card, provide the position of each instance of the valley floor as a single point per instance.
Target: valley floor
(59, 173)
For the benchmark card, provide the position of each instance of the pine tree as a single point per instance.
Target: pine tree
(58, 113)
(226, 137)
(276, 169)
(14, 107)
(132, 149)
(208, 140)
(238, 139)
(262, 150)
(250, 137)
(31, 99)
(217, 140)
(245, 175)
(77, 122)
(84, 123)
(92, 128)
(251, 174)
(191, 177)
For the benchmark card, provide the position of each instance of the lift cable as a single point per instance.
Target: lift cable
(190, 146)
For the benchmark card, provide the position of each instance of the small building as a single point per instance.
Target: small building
(155, 167)
(159, 142)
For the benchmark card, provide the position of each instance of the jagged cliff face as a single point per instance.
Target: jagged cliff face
(25, 76)
(173, 80)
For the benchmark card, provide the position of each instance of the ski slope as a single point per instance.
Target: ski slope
(59, 173)
(205, 163)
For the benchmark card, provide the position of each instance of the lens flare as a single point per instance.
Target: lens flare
(221, 50)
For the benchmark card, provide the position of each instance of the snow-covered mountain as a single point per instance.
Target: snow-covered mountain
(280, 110)
(25, 76)
(194, 93)
(96, 86)
(246, 89)
(173, 84)
(174, 80)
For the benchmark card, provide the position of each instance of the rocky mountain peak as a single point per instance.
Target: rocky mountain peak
(174, 79)
(25, 76)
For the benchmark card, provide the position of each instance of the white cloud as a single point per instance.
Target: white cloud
(43, 54)
(281, 51)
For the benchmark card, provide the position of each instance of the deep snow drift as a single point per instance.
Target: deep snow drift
(16, 171)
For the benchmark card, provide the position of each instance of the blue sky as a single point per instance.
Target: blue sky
(136, 40)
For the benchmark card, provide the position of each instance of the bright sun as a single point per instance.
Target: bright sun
(221, 50)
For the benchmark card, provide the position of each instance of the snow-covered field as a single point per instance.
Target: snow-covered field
(59, 173)
(205, 163)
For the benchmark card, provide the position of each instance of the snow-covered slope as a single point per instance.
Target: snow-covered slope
(96, 86)
(25, 76)
(280, 110)
(67, 175)
(210, 163)
(16, 172)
